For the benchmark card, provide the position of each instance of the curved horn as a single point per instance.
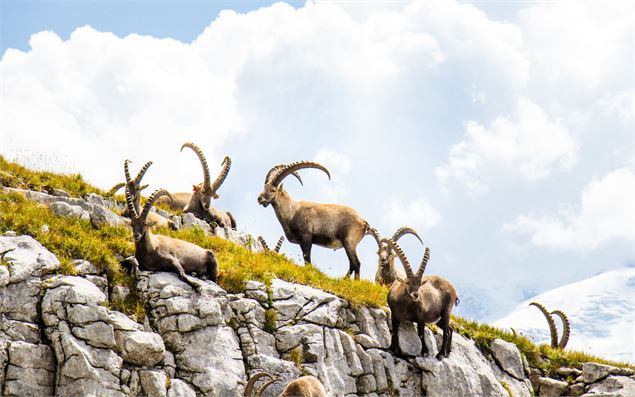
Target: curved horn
(373, 232)
(279, 244)
(282, 173)
(203, 161)
(264, 243)
(142, 172)
(276, 168)
(424, 262)
(132, 211)
(226, 165)
(153, 197)
(126, 171)
(264, 386)
(405, 230)
(552, 325)
(252, 381)
(116, 188)
(402, 257)
(566, 329)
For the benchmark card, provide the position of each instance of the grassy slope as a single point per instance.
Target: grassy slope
(72, 238)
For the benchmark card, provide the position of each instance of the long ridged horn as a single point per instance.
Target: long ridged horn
(203, 161)
(249, 388)
(226, 165)
(373, 232)
(402, 257)
(566, 329)
(282, 173)
(424, 262)
(276, 168)
(153, 197)
(132, 211)
(126, 171)
(405, 230)
(264, 386)
(263, 243)
(552, 324)
(279, 244)
(141, 173)
(116, 188)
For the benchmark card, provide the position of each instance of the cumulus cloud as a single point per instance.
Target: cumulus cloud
(531, 144)
(339, 165)
(417, 213)
(618, 104)
(606, 213)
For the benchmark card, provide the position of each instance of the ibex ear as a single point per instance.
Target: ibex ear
(280, 186)
(143, 187)
(194, 188)
(215, 196)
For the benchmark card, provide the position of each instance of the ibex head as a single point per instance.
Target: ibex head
(206, 191)
(384, 252)
(413, 280)
(139, 222)
(273, 180)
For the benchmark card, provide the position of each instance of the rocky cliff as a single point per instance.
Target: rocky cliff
(60, 336)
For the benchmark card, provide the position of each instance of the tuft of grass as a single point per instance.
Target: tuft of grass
(506, 387)
(271, 319)
(17, 176)
(67, 238)
(237, 265)
(543, 356)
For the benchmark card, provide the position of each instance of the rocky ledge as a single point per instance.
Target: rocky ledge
(58, 336)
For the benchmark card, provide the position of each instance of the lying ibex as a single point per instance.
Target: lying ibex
(135, 189)
(265, 247)
(387, 271)
(306, 386)
(307, 223)
(422, 300)
(199, 203)
(566, 326)
(163, 253)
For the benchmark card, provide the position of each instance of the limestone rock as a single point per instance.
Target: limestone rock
(508, 356)
(593, 372)
(100, 217)
(61, 208)
(140, 348)
(180, 389)
(552, 387)
(153, 383)
(617, 386)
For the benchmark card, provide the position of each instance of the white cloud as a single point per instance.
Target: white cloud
(417, 213)
(618, 104)
(532, 144)
(583, 43)
(339, 165)
(607, 213)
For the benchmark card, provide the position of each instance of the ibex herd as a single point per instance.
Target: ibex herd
(413, 297)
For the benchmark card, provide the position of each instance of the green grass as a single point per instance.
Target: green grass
(543, 356)
(71, 239)
(17, 176)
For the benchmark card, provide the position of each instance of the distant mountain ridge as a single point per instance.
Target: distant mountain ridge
(601, 310)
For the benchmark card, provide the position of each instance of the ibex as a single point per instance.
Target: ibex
(163, 253)
(422, 300)
(307, 223)
(265, 247)
(306, 386)
(199, 203)
(566, 326)
(387, 271)
(135, 188)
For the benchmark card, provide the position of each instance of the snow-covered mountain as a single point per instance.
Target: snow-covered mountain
(601, 310)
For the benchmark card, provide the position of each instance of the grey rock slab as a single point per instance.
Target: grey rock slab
(285, 370)
(508, 356)
(180, 389)
(100, 217)
(617, 386)
(552, 387)
(140, 348)
(61, 208)
(592, 372)
(153, 383)
(409, 340)
(98, 334)
(28, 258)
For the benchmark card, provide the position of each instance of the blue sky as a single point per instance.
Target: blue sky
(503, 132)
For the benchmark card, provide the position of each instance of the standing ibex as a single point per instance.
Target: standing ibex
(265, 246)
(422, 300)
(135, 188)
(163, 253)
(307, 223)
(387, 271)
(199, 203)
(566, 326)
(305, 386)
